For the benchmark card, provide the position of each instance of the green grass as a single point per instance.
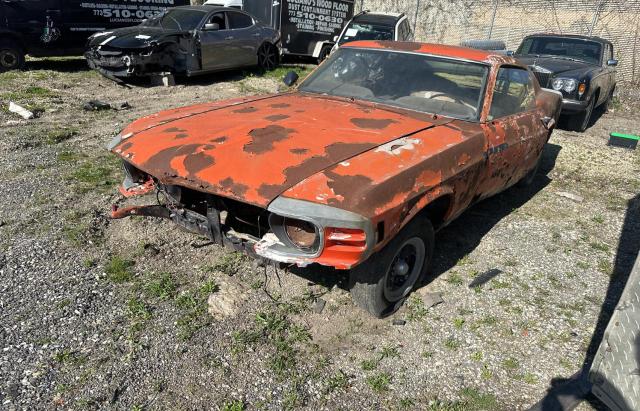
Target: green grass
(380, 382)
(477, 400)
(137, 309)
(58, 135)
(510, 364)
(279, 73)
(416, 308)
(369, 365)
(229, 263)
(455, 279)
(452, 344)
(337, 381)
(477, 356)
(458, 323)
(599, 246)
(27, 94)
(119, 270)
(233, 405)
(164, 287)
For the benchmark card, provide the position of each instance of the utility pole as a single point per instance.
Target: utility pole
(415, 19)
(493, 18)
(595, 16)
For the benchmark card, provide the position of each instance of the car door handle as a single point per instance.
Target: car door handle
(229, 38)
(548, 122)
(256, 35)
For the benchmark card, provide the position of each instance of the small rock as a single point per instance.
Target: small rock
(570, 196)
(398, 322)
(21, 111)
(151, 249)
(432, 299)
(227, 300)
(319, 305)
(125, 105)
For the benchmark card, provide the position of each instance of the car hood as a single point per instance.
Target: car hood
(131, 37)
(554, 64)
(253, 150)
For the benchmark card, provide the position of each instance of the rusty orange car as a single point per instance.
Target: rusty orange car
(353, 168)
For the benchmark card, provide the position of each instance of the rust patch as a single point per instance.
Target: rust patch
(237, 189)
(276, 117)
(280, 105)
(161, 161)
(182, 135)
(401, 45)
(194, 163)
(270, 190)
(219, 140)
(126, 146)
(244, 110)
(263, 138)
(372, 123)
(299, 151)
(345, 185)
(173, 130)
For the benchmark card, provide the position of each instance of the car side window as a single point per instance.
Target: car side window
(239, 20)
(401, 32)
(513, 93)
(218, 18)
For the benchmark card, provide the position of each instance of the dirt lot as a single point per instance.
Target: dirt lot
(97, 313)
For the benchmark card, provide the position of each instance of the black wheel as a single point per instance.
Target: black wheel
(11, 56)
(580, 122)
(382, 283)
(324, 53)
(267, 57)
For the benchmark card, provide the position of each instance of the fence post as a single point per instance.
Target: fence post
(493, 18)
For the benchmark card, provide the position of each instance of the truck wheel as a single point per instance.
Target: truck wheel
(11, 56)
(382, 283)
(324, 53)
(580, 122)
(267, 57)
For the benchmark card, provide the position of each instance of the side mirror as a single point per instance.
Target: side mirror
(335, 39)
(510, 53)
(212, 26)
(612, 62)
(290, 78)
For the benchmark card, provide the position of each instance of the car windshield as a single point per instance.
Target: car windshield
(361, 31)
(575, 49)
(177, 19)
(414, 81)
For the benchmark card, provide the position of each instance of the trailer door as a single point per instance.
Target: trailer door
(29, 18)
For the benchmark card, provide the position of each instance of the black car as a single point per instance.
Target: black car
(376, 26)
(185, 40)
(582, 68)
(44, 28)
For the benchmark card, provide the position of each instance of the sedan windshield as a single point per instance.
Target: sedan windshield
(177, 19)
(358, 31)
(414, 81)
(574, 49)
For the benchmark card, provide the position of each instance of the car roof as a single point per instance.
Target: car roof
(463, 53)
(571, 36)
(389, 19)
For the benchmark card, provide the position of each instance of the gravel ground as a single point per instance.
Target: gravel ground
(113, 314)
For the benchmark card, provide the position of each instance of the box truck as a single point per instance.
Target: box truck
(307, 27)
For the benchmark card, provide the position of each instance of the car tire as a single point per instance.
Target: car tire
(580, 122)
(267, 57)
(11, 56)
(382, 283)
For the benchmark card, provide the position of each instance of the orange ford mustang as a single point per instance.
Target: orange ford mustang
(354, 168)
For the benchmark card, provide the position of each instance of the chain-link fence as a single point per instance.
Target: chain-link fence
(453, 21)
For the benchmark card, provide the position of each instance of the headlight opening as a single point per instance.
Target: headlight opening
(293, 232)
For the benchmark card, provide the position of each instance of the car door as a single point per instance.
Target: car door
(215, 48)
(244, 38)
(514, 129)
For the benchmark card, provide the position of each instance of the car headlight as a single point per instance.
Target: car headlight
(297, 233)
(565, 84)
